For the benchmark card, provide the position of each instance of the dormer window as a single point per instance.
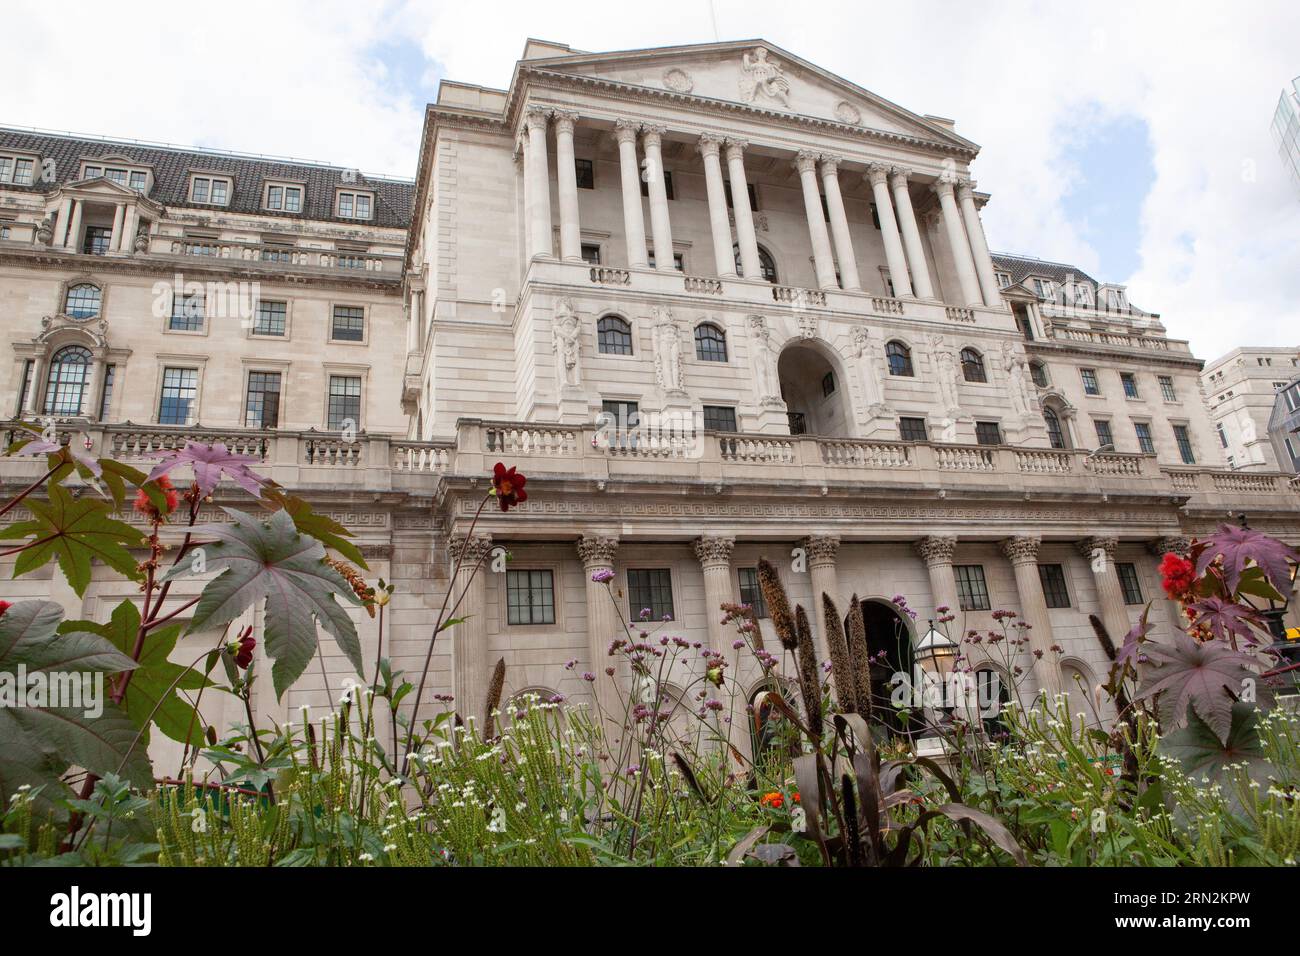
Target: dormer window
(137, 179)
(210, 190)
(1115, 299)
(355, 205)
(283, 197)
(1046, 289)
(1083, 294)
(1004, 279)
(18, 170)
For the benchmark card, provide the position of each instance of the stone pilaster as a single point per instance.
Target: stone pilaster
(1099, 552)
(1022, 552)
(469, 652)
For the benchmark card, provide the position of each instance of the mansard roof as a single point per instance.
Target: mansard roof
(172, 166)
(1022, 267)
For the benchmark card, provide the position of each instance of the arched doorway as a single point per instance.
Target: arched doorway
(814, 390)
(889, 641)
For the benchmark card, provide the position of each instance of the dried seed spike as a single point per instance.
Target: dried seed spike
(494, 698)
(778, 605)
(860, 658)
(841, 668)
(809, 686)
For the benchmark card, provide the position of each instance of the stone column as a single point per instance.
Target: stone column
(566, 169)
(961, 254)
(806, 163)
(979, 247)
(724, 258)
(129, 226)
(745, 235)
(652, 143)
(1099, 552)
(91, 398)
(830, 166)
(937, 552)
(630, 173)
(877, 176)
(74, 229)
(821, 551)
(469, 650)
(61, 225)
(115, 237)
(33, 401)
(539, 186)
(1182, 547)
(603, 625)
(911, 234)
(714, 554)
(1022, 552)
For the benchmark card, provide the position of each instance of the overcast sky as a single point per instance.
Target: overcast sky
(1130, 139)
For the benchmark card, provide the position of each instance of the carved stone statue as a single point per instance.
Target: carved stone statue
(141, 241)
(865, 350)
(668, 351)
(762, 75)
(946, 372)
(766, 382)
(45, 231)
(1017, 380)
(567, 351)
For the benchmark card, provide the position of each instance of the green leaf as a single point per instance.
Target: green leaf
(75, 531)
(1203, 754)
(269, 560)
(153, 678)
(117, 476)
(321, 527)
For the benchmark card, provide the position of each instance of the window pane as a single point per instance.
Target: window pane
(972, 366)
(1104, 437)
(82, 302)
(912, 429)
(900, 359)
(262, 407)
(106, 396)
(586, 173)
(349, 324)
(988, 433)
(1130, 385)
(650, 589)
(187, 313)
(710, 343)
(719, 418)
(293, 199)
(97, 240)
(1184, 441)
(1052, 577)
(344, 401)
(530, 597)
(274, 197)
(614, 336)
(179, 390)
(1145, 444)
(1090, 386)
(69, 377)
(751, 593)
(270, 318)
(1054, 432)
(972, 590)
(199, 191)
(219, 189)
(1128, 579)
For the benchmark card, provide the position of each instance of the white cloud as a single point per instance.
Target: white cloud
(1219, 251)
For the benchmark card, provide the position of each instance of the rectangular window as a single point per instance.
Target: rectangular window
(1145, 444)
(1104, 436)
(668, 185)
(912, 429)
(720, 418)
(586, 172)
(6, 169)
(354, 205)
(972, 589)
(751, 593)
(284, 198)
(988, 433)
(1090, 386)
(344, 402)
(17, 171)
(262, 404)
(209, 190)
(623, 417)
(828, 385)
(1129, 381)
(346, 261)
(1223, 436)
(1128, 580)
(591, 253)
(271, 318)
(187, 313)
(1184, 440)
(97, 240)
(1052, 577)
(1167, 388)
(138, 181)
(106, 396)
(677, 260)
(650, 589)
(530, 597)
(180, 388)
(349, 324)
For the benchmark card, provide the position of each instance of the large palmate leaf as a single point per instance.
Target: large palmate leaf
(209, 463)
(1208, 676)
(1228, 619)
(321, 527)
(155, 686)
(1203, 754)
(75, 531)
(270, 560)
(1237, 546)
(38, 742)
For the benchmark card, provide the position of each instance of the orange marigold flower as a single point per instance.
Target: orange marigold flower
(773, 800)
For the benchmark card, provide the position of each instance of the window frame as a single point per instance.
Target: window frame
(332, 373)
(1100, 426)
(1091, 383)
(353, 195)
(1183, 442)
(283, 335)
(911, 423)
(82, 316)
(972, 366)
(185, 300)
(285, 188)
(601, 333)
(60, 385)
(710, 343)
(904, 353)
(532, 607)
(1168, 391)
(1128, 382)
(587, 181)
(1146, 442)
(983, 426)
(365, 324)
(972, 587)
(1130, 583)
(1056, 590)
(210, 179)
(166, 366)
(14, 159)
(758, 604)
(720, 408)
(635, 606)
(279, 373)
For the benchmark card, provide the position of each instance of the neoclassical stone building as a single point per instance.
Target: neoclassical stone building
(716, 302)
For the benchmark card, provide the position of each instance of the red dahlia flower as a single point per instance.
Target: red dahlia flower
(508, 486)
(243, 649)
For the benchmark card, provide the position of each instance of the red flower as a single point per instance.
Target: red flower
(4, 606)
(1177, 575)
(508, 486)
(773, 800)
(243, 649)
(146, 507)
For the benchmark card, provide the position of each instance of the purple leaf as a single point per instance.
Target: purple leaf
(1209, 676)
(1240, 545)
(1227, 618)
(1129, 652)
(38, 446)
(210, 462)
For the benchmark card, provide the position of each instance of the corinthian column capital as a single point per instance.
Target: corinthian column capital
(876, 174)
(942, 187)
(565, 120)
(830, 164)
(936, 549)
(805, 161)
(821, 549)
(597, 551)
(1088, 547)
(537, 117)
(964, 189)
(1175, 544)
(898, 175)
(709, 144)
(1022, 549)
(626, 130)
(714, 551)
(469, 551)
(653, 135)
(735, 147)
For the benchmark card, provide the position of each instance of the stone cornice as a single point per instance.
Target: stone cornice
(1094, 350)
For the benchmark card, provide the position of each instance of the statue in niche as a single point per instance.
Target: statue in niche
(762, 75)
(567, 351)
(45, 231)
(765, 374)
(866, 354)
(1017, 380)
(668, 351)
(945, 365)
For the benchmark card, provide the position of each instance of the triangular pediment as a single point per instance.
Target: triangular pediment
(101, 184)
(753, 73)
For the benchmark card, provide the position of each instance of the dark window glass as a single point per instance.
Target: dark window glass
(530, 597)
(278, 254)
(614, 336)
(668, 185)
(1167, 389)
(1104, 436)
(828, 384)
(187, 313)
(1054, 432)
(591, 253)
(1052, 577)
(179, 390)
(988, 433)
(349, 324)
(766, 264)
(28, 366)
(623, 418)
(751, 593)
(262, 404)
(1090, 386)
(753, 195)
(677, 260)
(1128, 580)
(972, 366)
(900, 359)
(972, 589)
(106, 396)
(912, 429)
(97, 240)
(69, 377)
(344, 401)
(720, 418)
(586, 173)
(83, 301)
(1026, 327)
(650, 588)
(1184, 440)
(1038, 372)
(1130, 384)
(1145, 444)
(270, 318)
(798, 424)
(710, 343)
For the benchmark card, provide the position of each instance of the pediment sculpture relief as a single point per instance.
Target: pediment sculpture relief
(763, 75)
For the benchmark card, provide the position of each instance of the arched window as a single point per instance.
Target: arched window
(82, 301)
(1054, 431)
(972, 366)
(766, 264)
(900, 359)
(1038, 372)
(710, 343)
(69, 378)
(614, 335)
